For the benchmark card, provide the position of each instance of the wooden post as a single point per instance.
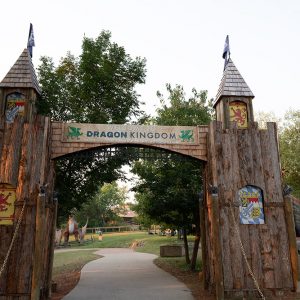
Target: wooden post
(216, 242)
(39, 240)
(51, 254)
(289, 218)
(203, 231)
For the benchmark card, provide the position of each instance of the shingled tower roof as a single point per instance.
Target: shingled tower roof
(22, 74)
(233, 84)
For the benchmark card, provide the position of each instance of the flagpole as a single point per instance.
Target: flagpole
(30, 42)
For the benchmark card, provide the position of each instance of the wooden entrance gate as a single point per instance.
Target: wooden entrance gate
(248, 237)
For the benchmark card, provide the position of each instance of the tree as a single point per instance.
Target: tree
(168, 190)
(96, 87)
(177, 110)
(290, 150)
(263, 117)
(104, 206)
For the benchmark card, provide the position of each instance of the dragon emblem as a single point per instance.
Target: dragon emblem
(3, 201)
(186, 135)
(74, 133)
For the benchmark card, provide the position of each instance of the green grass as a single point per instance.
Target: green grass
(179, 263)
(152, 243)
(114, 240)
(68, 261)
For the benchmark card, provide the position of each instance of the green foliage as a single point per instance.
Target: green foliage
(177, 110)
(168, 191)
(78, 179)
(96, 87)
(104, 206)
(290, 150)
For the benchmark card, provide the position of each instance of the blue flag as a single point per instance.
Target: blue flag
(226, 51)
(30, 42)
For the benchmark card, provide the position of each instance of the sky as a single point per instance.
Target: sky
(182, 41)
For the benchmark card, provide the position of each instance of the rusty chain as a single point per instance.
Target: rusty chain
(13, 240)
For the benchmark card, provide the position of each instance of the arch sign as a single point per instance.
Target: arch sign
(132, 134)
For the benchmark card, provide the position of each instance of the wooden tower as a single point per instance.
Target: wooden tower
(233, 102)
(19, 90)
(27, 210)
(249, 238)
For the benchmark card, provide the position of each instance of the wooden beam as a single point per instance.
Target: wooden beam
(39, 241)
(289, 218)
(216, 242)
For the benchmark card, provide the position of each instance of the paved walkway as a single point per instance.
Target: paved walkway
(123, 274)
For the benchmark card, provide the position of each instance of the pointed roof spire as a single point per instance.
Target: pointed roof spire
(22, 74)
(232, 83)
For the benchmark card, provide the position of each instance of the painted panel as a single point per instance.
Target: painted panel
(251, 205)
(131, 134)
(238, 113)
(15, 105)
(7, 201)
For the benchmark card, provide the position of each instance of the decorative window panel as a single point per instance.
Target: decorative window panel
(251, 205)
(7, 204)
(238, 113)
(15, 105)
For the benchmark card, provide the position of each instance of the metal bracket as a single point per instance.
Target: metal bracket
(287, 190)
(213, 190)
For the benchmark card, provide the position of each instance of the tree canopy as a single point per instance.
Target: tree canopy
(168, 190)
(290, 150)
(104, 206)
(96, 87)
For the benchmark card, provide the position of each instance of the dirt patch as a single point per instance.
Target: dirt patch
(191, 279)
(64, 283)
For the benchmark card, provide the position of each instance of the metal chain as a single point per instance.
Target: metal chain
(13, 239)
(244, 254)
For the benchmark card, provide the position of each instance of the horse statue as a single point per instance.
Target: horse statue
(73, 228)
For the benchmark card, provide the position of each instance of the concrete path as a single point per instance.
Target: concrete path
(123, 274)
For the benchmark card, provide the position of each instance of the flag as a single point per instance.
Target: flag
(226, 51)
(30, 42)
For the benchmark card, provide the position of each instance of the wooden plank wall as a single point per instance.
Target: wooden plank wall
(25, 163)
(238, 158)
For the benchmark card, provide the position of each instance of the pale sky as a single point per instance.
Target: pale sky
(182, 41)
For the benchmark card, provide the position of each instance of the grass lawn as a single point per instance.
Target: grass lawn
(68, 261)
(113, 240)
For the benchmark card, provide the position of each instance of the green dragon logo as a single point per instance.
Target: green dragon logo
(74, 132)
(186, 135)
